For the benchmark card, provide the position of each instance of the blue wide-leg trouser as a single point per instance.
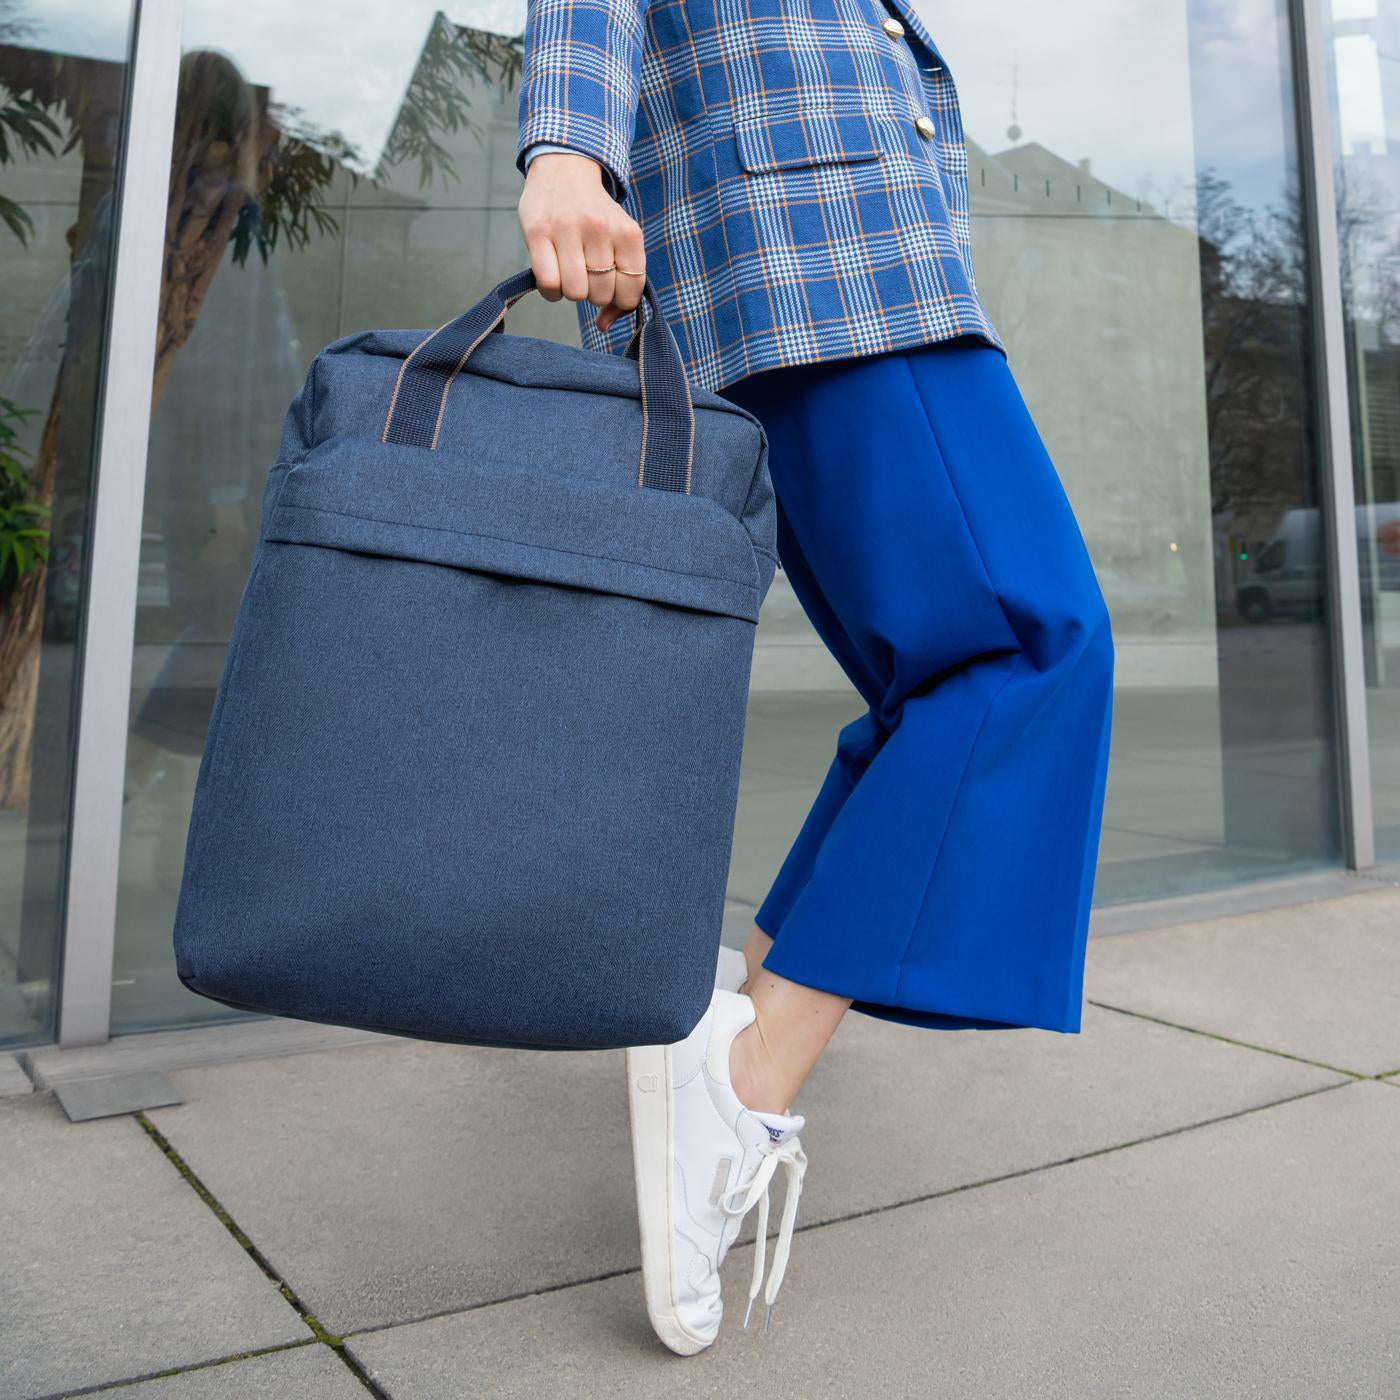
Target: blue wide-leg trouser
(943, 876)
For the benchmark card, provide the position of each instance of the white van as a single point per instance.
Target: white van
(1287, 578)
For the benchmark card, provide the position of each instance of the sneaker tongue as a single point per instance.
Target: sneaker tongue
(781, 1127)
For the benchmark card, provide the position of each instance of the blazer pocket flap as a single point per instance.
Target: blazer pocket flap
(783, 133)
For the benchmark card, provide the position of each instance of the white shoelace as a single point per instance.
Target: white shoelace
(738, 1202)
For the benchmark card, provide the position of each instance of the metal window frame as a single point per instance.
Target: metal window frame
(105, 661)
(1332, 398)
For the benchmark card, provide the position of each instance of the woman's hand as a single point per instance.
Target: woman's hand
(571, 223)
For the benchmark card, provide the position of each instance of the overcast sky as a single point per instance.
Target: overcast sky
(1110, 82)
(1113, 82)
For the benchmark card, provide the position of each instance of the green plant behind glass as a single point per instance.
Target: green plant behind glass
(24, 522)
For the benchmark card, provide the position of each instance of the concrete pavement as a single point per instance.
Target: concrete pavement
(1196, 1197)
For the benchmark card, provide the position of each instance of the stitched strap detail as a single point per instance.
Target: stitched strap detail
(419, 401)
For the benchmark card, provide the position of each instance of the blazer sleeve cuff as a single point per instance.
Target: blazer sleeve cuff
(588, 136)
(539, 148)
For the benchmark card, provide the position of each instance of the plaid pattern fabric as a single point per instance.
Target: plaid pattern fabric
(792, 209)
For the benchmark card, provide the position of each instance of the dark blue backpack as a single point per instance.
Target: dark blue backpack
(473, 765)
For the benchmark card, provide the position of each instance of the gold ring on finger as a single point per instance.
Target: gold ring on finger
(622, 272)
(599, 270)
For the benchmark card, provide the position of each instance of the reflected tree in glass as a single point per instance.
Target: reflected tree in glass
(1253, 290)
(245, 172)
(51, 104)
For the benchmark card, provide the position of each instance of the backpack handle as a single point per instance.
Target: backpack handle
(419, 402)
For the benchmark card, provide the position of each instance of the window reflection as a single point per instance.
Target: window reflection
(61, 99)
(1366, 104)
(1135, 200)
(1135, 207)
(332, 172)
(1134, 189)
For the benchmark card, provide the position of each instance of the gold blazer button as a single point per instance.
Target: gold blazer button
(925, 127)
(892, 27)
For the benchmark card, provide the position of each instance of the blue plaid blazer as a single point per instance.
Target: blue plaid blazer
(798, 168)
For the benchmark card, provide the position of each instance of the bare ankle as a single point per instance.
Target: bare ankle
(755, 950)
(752, 1075)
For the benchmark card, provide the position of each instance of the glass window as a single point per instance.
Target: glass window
(1365, 111)
(336, 168)
(1136, 182)
(62, 80)
(1135, 197)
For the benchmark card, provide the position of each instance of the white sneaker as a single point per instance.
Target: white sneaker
(732, 969)
(702, 1161)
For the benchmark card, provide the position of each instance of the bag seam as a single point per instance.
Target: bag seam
(506, 539)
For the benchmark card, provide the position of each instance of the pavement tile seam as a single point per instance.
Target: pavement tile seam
(848, 1217)
(1088, 1156)
(1230, 1040)
(107, 1387)
(518, 1297)
(319, 1331)
(1114, 1322)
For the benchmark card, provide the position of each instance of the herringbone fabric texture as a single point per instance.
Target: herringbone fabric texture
(793, 210)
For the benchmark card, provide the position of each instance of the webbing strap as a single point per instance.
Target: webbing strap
(419, 401)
